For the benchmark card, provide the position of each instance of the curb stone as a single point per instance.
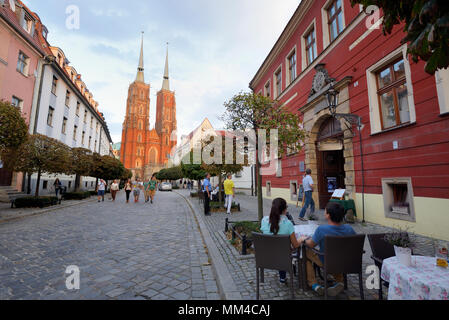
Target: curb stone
(225, 281)
(50, 209)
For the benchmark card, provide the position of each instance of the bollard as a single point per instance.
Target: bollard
(244, 245)
(226, 225)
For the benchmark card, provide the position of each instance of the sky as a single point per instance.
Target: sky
(215, 49)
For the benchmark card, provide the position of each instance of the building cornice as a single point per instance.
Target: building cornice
(75, 89)
(285, 36)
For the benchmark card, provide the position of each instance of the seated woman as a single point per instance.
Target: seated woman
(278, 224)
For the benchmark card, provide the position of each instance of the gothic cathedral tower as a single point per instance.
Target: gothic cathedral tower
(145, 151)
(166, 124)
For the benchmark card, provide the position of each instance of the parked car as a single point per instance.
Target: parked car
(165, 186)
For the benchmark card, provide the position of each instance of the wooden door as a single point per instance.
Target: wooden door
(5, 177)
(331, 174)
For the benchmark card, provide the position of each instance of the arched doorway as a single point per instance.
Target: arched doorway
(330, 160)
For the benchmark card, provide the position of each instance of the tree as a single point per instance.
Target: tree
(222, 168)
(192, 171)
(255, 112)
(82, 164)
(127, 174)
(170, 174)
(43, 154)
(13, 131)
(426, 26)
(107, 167)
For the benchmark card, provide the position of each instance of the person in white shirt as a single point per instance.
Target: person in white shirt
(307, 184)
(101, 190)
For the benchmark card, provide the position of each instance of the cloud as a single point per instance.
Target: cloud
(215, 49)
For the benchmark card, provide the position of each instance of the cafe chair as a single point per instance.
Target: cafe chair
(343, 255)
(273, 253)
(381, 250)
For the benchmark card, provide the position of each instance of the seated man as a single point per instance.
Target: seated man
(334, 215)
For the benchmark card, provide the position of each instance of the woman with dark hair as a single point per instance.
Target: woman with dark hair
(278, 224)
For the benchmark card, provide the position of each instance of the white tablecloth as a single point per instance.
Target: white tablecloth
(422, 281)
(305, 230)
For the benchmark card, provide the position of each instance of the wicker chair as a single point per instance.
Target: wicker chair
(343, 255)
(274, 253)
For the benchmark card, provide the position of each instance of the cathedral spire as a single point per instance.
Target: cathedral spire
(140, 76)
(166, 82)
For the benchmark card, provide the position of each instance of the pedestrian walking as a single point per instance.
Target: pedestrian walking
(152, 187)
(128, 189)
(229, 189)
(58, 186)
(307, 183)
(101, 188)
(146, 190)
(207, 188)
(136, 190)
(115, 187)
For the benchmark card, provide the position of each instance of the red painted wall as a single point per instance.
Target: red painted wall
(423, 146)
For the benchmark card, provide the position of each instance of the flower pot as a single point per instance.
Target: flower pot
(404, 255)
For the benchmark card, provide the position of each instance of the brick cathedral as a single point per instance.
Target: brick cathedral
(146, 151)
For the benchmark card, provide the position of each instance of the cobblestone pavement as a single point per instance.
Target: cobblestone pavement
(134, 251)
(243, 268)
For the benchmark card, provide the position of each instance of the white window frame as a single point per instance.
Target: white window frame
(442, 83)
(26, 63)
(276, 94)
(294, 196)
(268, 188)
(19, 104)
(50, 116)
(304, 45)
(371, 78)
(287, 63)
(269, 89)
(325, 22)
(64, 125)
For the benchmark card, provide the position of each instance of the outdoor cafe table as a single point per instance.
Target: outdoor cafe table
(422, 281)
(305, 230)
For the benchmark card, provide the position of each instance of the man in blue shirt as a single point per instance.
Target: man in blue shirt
(207, 189)
(334, 215)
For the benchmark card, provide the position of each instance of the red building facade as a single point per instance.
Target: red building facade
(404, 111)
(145, 151)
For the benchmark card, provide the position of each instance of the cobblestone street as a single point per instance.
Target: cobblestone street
(134, 251)
(242, 268)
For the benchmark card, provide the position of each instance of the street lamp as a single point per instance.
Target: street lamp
(332, 95)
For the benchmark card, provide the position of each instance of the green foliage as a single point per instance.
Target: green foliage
(36, 202)
(82, 161)
(13, 129)
(426, 26)
(44, 154)
(252, 111)
(77, 195)
(107, 167)
(247, 228)
(171, 174)
(193, 194)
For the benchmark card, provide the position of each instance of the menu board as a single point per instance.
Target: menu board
(339, 193)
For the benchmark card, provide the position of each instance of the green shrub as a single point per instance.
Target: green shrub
(194, 194)
(247, 228)
(36, 202)
(77, 195)
(175, 187)
(93, 193)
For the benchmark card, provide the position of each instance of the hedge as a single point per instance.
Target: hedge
(36, 202)
(77, 195)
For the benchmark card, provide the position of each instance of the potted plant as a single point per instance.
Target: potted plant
(403, 245)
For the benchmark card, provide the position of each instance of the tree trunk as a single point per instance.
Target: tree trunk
(259, 191)
(29, 183)
(259, 182)
(220, 196)
(77, 183)
(38, 182)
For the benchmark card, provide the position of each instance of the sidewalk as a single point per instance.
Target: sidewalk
(242, 268)
(8, 214)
